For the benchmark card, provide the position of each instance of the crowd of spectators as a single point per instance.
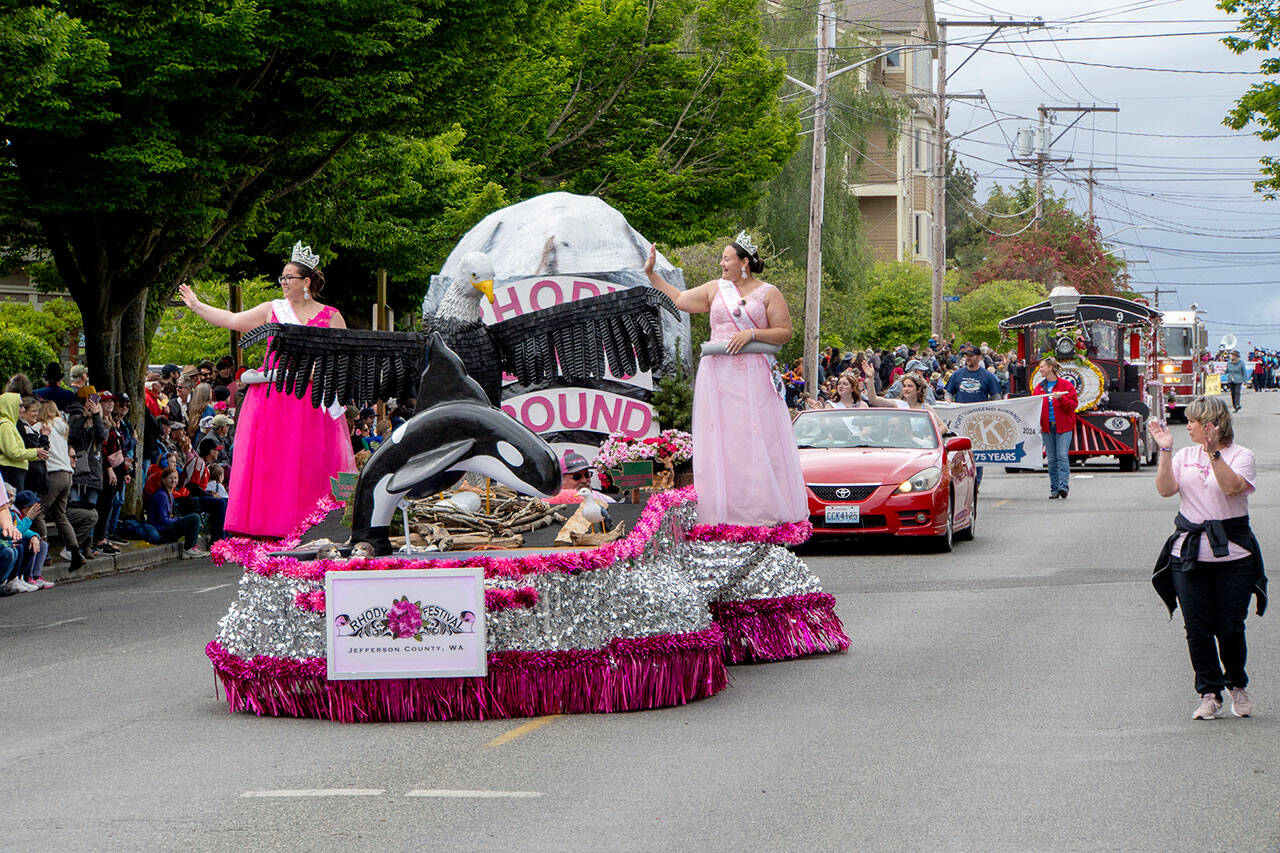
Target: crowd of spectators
(932, 364)
(68, 451)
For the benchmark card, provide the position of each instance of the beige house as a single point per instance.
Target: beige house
(896, 189)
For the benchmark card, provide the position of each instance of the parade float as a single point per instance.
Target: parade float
(334, 622)
(1106, 348)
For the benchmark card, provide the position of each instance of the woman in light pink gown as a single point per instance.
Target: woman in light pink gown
(285, 450)
(746, 467)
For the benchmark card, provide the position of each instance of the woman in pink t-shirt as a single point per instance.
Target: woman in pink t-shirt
(1212, 564)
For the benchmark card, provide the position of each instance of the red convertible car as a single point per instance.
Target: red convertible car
(887, 471)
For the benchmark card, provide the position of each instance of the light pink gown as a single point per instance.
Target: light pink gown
(746, 467)
(285, 452)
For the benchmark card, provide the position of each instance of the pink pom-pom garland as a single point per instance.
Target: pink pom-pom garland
(260, 556)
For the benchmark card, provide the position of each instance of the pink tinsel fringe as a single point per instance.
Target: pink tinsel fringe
(627, 675)
(772, 629)
(259, 557)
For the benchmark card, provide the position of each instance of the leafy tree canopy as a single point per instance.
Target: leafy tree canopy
(976, 317)
(53, 323)
(667, 109)
(1061, 248)
(1260, 104)
(895, 307)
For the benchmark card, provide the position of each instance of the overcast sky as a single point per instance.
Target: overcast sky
(1181, 205)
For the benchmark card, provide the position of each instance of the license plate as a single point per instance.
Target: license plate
(842, 514)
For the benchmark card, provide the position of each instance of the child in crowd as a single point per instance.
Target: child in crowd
(35, 548)
(10, 582)
(217, 476)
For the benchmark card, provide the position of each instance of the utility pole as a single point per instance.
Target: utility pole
(1044, 146)
(817, 188)
(939, 253)
(1090, 181)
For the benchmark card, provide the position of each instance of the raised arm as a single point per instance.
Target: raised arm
(694, 301)
(873, 399)
(241, 321)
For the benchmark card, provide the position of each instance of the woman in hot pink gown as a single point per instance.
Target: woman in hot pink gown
(285, 450)
(746, 467)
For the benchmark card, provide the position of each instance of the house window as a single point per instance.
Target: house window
(922, 148)
(923, 235)
(921, 70)
(893, 59)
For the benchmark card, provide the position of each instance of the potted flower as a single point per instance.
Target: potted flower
(667, 449)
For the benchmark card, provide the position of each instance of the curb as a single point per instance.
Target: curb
(134, 558)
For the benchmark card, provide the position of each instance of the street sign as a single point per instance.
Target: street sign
(951, 299)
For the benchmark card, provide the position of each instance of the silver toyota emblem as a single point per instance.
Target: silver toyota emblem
(843, 492)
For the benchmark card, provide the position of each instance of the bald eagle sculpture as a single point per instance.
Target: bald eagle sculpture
(619, 331)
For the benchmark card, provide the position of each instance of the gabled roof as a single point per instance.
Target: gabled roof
(894, 16)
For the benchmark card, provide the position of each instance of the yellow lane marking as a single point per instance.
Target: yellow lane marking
(521, 731)
(1000, 503)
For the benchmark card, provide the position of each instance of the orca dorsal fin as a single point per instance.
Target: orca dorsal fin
(446, 380)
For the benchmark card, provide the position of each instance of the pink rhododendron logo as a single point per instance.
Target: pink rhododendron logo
(404, 619)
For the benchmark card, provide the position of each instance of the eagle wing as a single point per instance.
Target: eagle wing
(346, 366)
(620, 331)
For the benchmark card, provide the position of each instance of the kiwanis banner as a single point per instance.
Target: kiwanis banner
(1003, 432)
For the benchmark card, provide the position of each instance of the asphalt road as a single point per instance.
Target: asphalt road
(1026, 692)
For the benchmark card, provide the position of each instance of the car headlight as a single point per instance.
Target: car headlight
(1168, 368)
(921, 482)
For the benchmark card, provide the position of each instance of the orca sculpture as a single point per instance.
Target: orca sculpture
(453, 430)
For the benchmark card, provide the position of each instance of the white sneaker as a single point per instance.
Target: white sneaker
(194, 553)
(24, 586)
(65, 554)
(1210, 705)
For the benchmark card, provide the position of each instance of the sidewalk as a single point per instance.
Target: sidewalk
(133, 557)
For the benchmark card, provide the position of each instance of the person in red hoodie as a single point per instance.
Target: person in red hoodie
(1057, 424)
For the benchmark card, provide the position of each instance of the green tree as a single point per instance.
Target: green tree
(170, 131)
(976, 317)
(1062, 247)
(854, 111)
(667, 109)
(895, 307)
(53, 323)
(23, 353)
(966, 237)
(1260, 104)
(184, 338)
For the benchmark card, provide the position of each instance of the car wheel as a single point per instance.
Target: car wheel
(944, 542)
(1128, 463)
(971, 530)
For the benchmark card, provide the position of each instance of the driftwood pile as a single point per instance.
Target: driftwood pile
(498, 523)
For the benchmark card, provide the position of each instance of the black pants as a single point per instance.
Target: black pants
(186, 528)
(1234, 388)
(1214, 598)
(214, 508)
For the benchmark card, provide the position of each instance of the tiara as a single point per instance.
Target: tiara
(744, 240)
(303, 255)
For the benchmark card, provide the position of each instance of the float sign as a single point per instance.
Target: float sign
(405, 623)
(343, 486)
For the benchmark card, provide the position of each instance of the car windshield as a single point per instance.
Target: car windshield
(866, 428)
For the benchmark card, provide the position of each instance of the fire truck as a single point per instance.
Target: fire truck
(1181, 358)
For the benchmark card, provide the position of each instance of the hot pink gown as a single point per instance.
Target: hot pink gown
(285, 452)
(746, 467)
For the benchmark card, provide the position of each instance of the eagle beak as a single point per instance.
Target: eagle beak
(485, 287)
